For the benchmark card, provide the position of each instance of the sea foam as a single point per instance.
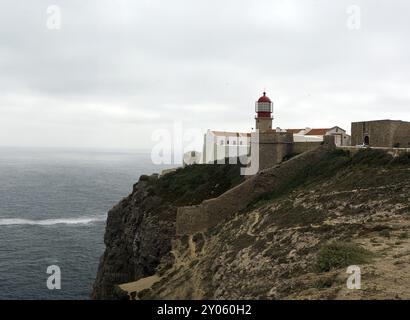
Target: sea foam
(49, 222)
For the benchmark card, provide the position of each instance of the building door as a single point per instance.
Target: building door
(366, 140)
(338, 140)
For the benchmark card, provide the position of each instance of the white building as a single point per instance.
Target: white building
(309, 134)
(219, 145)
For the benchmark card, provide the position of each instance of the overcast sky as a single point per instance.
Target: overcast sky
(117, 70)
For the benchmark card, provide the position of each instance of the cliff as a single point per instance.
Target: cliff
(293, 241)
(140, 227)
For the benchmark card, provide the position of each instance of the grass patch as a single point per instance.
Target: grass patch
(371, 157)
(328, 166)
(193, 184)
(377, 157)
(289, 215)
(351, 171)
(337, 255)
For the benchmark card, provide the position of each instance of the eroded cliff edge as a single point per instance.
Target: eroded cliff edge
(293, 242)
(140, 227)
(297, 241)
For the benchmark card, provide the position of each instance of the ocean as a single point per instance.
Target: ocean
(53, 208)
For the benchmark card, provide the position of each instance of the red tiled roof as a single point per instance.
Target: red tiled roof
(317, 132)
(311, 132)
(294, 130)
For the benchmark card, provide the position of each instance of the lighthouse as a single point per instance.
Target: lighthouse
(264, 109)
(268, 147)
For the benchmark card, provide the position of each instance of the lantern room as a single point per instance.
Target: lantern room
(264, 109)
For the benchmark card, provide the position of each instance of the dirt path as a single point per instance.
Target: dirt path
(255, 222)
(138, 286)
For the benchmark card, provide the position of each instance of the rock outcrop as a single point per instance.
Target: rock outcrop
(140, 227)
(293, 241)
(296, 242)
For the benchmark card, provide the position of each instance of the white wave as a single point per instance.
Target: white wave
(49, 222)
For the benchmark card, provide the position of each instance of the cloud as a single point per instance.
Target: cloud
(117, 70)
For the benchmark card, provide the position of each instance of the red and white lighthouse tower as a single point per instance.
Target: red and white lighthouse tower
(264, 109)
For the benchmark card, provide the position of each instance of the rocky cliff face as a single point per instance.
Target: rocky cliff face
(296, 243)
(140, 227)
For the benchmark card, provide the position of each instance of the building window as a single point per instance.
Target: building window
(227, 141)
(222, 142)
(234, 143)
(192, 153)
(366, 140)
(240, 142)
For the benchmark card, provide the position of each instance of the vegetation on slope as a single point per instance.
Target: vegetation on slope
(296, 242)
(141, 227)
(193, 184)
(335, 255)
(337, 163)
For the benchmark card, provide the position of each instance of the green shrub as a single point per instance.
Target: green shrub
(336, 255)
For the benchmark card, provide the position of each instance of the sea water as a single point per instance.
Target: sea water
(53, 208)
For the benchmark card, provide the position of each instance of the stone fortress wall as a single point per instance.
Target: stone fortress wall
(382, 133)
(193, 219)
(300, 147)
(273, 147)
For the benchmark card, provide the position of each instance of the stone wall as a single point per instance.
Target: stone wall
(300, 147)
(401, 134)
(273, 148)
(382, 133)
(211, 212)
